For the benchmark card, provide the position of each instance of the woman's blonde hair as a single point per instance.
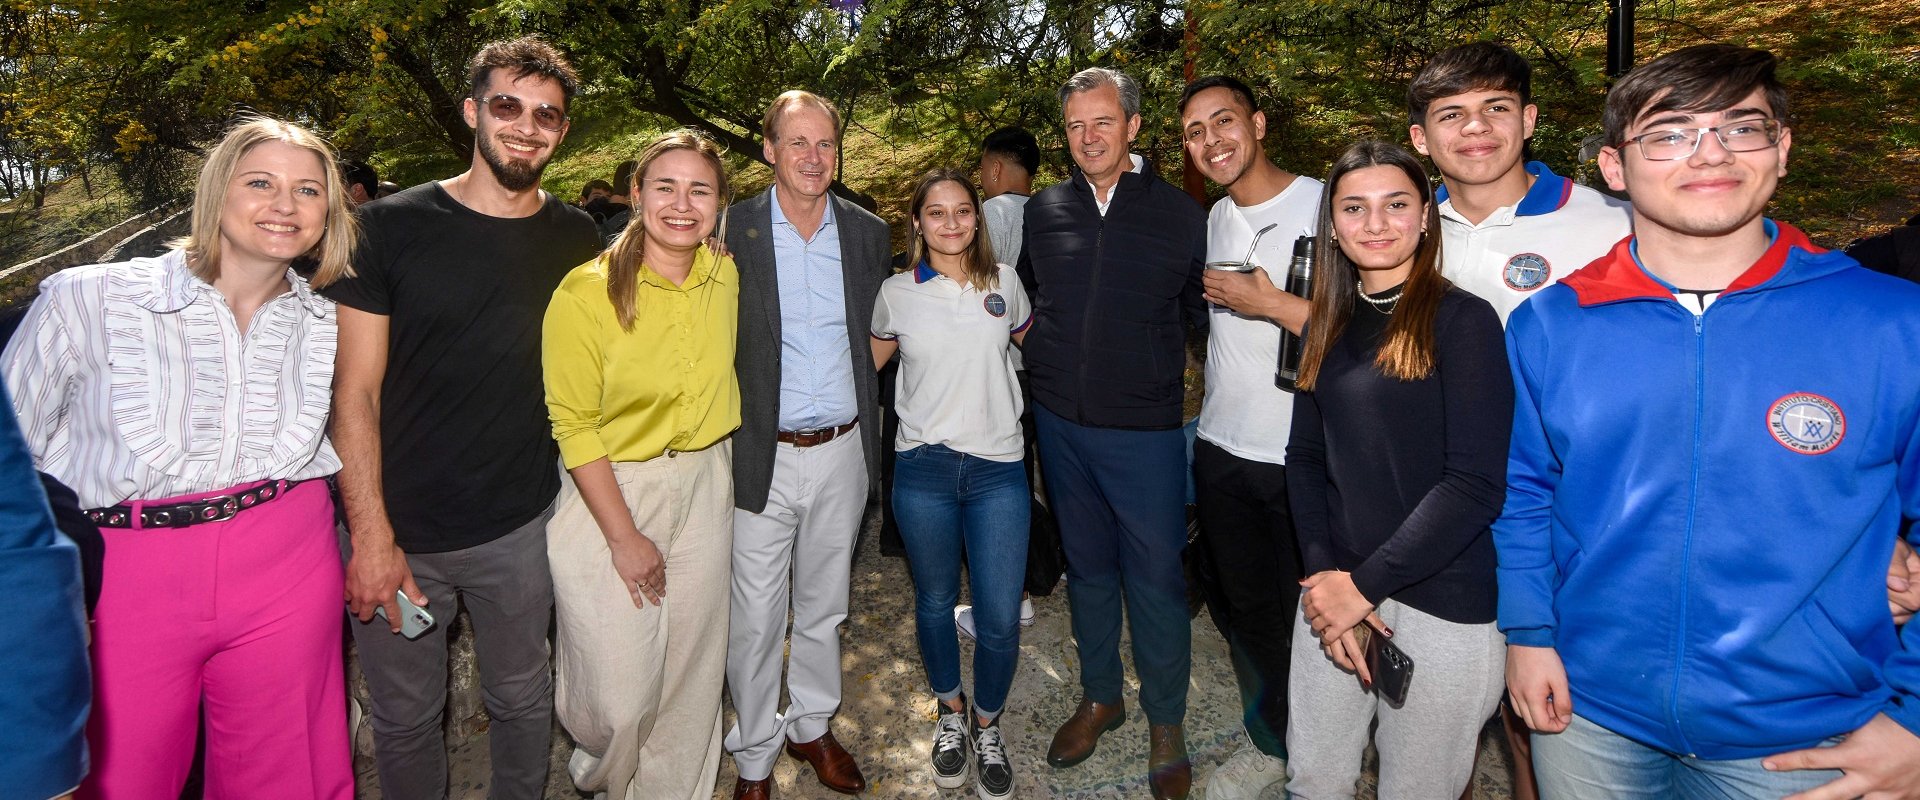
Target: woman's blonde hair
(623, 257)
(333, 254)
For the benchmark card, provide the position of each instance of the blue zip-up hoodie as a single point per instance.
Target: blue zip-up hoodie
(1700, 510)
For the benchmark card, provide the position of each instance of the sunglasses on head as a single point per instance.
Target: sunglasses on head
(507, 108)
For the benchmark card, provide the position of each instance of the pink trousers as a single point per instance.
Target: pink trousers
(241, 618)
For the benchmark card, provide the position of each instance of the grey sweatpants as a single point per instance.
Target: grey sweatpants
(1426, 746)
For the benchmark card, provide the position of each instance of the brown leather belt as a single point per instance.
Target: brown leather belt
(814, 437)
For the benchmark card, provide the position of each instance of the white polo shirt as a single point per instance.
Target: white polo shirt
(956, 385)
(1244, 413)
(1558, 227)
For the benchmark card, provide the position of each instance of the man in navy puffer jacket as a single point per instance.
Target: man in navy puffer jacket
(1113, 258)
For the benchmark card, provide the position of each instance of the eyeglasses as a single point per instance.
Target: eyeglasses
(1673, 144)
(507, 108)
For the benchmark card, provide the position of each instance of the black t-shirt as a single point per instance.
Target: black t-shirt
(466, 449)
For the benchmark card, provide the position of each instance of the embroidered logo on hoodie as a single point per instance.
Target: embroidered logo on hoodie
(1807, 423)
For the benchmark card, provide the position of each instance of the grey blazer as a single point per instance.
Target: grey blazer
(865, 255)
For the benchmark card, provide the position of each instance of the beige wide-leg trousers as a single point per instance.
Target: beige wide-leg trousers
(639, 688)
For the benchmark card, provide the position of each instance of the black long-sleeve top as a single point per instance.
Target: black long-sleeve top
(1397, 481)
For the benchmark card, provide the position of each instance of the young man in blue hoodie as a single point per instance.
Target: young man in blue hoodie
(1716, 439)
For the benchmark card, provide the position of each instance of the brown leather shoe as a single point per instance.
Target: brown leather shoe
(831, 764)
(744, 789)
(1078, 735)
(1169, 772)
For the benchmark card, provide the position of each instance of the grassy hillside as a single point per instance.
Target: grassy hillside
(70, 214)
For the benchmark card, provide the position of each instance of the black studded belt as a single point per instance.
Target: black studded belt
(180, 515)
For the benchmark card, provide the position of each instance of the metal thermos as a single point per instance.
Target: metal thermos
(1299, 284)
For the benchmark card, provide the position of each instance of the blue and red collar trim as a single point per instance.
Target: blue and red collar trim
(1619, 275)
(1549, 192)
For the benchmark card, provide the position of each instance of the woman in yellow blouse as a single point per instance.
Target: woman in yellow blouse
(638, 355)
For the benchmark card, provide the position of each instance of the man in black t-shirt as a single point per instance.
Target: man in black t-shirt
(450, 469)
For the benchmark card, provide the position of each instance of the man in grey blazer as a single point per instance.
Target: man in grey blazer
(808, 448)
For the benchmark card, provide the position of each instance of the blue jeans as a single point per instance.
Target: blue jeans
(1120, 498)
(952, 506)
(1589, 762)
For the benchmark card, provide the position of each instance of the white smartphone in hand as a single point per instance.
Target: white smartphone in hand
(414, 620)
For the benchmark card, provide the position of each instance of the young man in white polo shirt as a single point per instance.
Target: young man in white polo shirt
(1238, 462)
(1511, 226)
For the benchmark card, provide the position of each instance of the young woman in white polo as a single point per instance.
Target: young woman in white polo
(959, 490)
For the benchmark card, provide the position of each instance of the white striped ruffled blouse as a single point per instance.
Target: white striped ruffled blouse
(133, 382)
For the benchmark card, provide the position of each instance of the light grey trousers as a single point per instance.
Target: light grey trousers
(639, 687)
(807, 530)
(1426, 746)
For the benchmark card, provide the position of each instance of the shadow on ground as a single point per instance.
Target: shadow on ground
(886, 719)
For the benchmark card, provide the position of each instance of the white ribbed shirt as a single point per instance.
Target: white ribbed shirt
(132, 381)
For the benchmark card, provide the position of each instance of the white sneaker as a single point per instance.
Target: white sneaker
(963, 619)
(1026, 612)
(1244, 776)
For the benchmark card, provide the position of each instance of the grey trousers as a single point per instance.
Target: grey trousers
(1426, 746)
(807, 530)
(508, 592)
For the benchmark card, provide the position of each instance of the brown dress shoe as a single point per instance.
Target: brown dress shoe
(744, 789)
(1169, 772)
(831, 764)
(1078, 735)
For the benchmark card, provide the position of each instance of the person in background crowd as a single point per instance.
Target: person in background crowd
(438, 412)
(1681, 628)
(1240, 477)
(808, 449)
(1395, 469)
(387, 188)
(43, 647)
(1896, 252)
(363, 183)
(618, 207)
(596, 198)
(638, 351)
(1008, 160)
(221, 582)
(960, 490)
(1113, 258)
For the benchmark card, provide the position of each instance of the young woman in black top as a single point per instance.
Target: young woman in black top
(1395, 469)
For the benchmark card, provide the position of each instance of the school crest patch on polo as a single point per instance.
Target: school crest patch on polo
(1807, 423)
(996, 305)
(1527, 271)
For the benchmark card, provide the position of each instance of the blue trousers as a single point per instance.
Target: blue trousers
(1119, 496)
(1589, 762)
(951, 506)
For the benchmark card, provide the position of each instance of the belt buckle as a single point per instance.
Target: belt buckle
(225, 507)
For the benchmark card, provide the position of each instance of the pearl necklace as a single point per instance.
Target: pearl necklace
(1385, 305)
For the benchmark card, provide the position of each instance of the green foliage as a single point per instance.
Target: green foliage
(144, 84)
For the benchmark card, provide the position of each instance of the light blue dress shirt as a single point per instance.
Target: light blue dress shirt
(816, 364)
